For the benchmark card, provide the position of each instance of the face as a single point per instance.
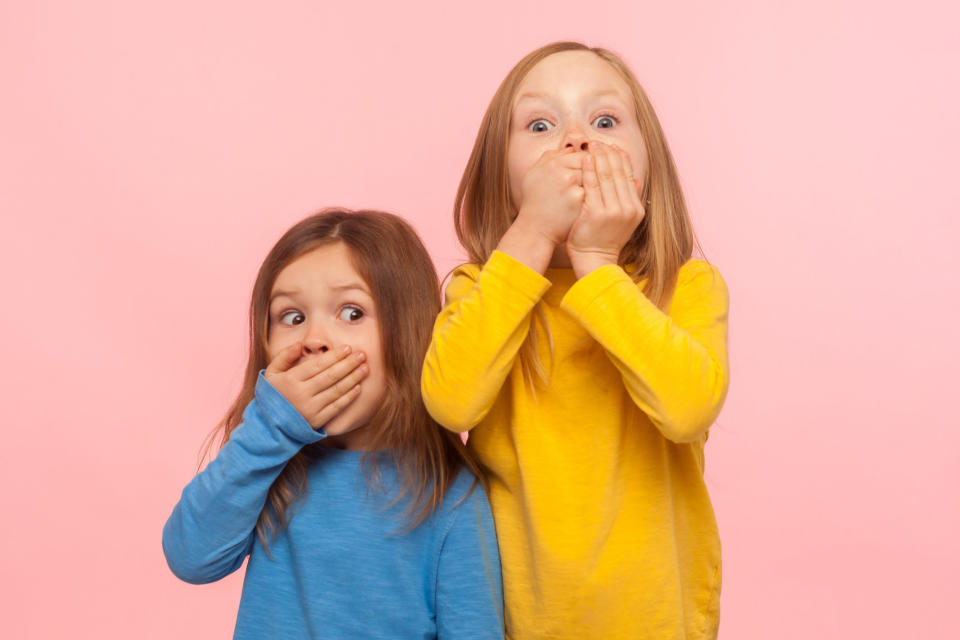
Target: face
(571, 98)
(320, 300)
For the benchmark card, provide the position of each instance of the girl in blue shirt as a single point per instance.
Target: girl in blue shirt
(361, 517)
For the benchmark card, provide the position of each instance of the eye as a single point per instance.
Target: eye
(351, 313)
(539, 126)
(605, 122)
(291, 318)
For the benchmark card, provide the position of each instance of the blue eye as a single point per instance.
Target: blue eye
(605, 122)
(351, 313)
(291, 318)
(539, 126)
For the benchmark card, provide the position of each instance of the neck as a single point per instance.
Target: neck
(560, 259)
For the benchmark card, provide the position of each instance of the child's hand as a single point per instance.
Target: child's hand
(318, 386)
(552, 195)
(611, 209)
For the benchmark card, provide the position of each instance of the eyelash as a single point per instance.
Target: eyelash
(352, 307)
(530, 122)
(606, 115)
(285, 312)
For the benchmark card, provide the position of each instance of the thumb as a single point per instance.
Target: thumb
(553, 153)
(285, 359)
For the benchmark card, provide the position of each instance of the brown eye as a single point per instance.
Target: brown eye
(291, 318)
(351, 313)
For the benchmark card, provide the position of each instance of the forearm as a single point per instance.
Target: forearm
(674, 367)
(526, 244)
(476, 340)
(212, 527)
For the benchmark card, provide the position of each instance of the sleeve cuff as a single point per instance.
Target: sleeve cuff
(283, 415)
(520, 277)
(588, 288)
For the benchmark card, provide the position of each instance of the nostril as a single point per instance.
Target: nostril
(569, 144)
(583, 146)
(324, 349)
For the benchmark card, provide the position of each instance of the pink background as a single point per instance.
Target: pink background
(150, 154)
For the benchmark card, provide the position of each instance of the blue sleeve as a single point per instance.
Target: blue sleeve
(469, 584)
(211, 530)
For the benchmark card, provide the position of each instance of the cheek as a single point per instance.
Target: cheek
(277, 342)
(638, 160)
(519, 161)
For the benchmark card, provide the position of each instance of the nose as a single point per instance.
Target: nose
(576, 138)
(317, 340)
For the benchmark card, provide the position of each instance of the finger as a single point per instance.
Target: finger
(317, 364)
(608, 190)
(626, 193)
(333, 375)
(636, 186)
(573, 177)
(550, 154)
(329, 411)
(591, 185)
(344, 384)
(285, 359)
(572, 160)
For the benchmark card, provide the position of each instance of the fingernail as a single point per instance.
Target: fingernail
(345, 349)
(361, 356)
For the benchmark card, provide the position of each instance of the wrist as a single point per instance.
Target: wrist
(584, 262)
(527, 244)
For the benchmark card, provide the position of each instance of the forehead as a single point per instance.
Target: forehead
(573, 74)
(329, 265)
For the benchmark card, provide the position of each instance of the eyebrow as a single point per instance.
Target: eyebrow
(358, 286)
(533, 95)
(348, 286)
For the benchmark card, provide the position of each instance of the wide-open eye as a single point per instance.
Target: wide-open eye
(539, 126)
(291, 318)
(605, 122)
(351, 313)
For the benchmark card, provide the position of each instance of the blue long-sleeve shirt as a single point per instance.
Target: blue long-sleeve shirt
(343, 568)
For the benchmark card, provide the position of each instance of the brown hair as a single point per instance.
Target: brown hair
(484, 210)
(392, 260)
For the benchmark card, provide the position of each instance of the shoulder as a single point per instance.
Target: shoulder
(699, 284)
(700, 276)
(465, 494)
(461, 280)
(698, 269)
(468, 270)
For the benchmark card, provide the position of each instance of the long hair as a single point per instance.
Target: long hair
(392, 260)
(484, 209)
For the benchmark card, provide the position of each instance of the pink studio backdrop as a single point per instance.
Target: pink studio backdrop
(150, 154)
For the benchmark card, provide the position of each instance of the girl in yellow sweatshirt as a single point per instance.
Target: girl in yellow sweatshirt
(585, 351)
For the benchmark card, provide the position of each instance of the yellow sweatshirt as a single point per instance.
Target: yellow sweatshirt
(596, 479)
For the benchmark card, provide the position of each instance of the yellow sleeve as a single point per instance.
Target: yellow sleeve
(674, 365)
(485, 319)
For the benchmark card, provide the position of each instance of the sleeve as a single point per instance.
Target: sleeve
(469, 584)
(476, 338)
(211, 529)
(674, 366)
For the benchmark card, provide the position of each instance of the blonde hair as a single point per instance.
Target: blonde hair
(392, 260)
(484, 210)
